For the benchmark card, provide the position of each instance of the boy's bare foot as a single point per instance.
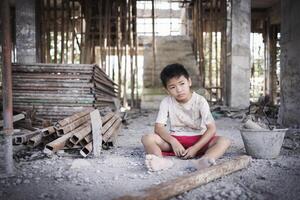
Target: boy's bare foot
(155, 163)
(203, 163)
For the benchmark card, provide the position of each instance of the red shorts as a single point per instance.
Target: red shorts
(188, 141)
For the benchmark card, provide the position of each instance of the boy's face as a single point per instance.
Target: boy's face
(179, 88)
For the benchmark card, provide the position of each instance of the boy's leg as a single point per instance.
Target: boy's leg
(216, 149)
(154, 145)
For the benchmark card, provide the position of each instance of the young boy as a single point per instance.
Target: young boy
(192, 130)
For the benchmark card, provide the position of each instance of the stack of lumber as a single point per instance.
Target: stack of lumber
(56, 91)
(75, 132)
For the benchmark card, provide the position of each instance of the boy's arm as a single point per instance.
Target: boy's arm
(208, 134)
(165, 135)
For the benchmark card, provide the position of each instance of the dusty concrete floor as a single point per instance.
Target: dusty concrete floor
(121, 170)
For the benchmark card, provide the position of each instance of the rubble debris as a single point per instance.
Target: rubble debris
(250, 124)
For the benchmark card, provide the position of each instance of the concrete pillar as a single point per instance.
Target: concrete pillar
(238, 60)
(289, 113)
(25, 31)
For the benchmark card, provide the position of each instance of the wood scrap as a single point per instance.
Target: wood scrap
(179, 185)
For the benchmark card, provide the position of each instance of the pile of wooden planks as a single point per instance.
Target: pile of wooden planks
(56, 91)
(76, 132)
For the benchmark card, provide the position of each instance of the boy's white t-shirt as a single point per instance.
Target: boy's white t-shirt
(186, 119)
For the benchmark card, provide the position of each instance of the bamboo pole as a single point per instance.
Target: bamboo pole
(195, 28)
(68, 31)
(202, 46)
(62, 32)
(136, 55)
(81, 33)
(223, 49)
(55, 30)
(119, 39)
(125, 103)
(43, 31)
(100, 4)
(48, 23)
(153, 44)
(73, 31)
(108, 70)
(131, 53)
(210, 76)
(107, 4)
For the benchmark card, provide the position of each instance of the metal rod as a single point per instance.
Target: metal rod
(66, 129)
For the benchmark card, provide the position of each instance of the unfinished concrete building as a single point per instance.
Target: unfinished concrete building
(59, 57)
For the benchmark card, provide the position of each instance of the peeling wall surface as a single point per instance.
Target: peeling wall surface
(25, 31)
(289, 114)
(238, 75)
(169, 49)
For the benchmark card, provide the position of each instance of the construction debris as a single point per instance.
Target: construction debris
(72, 133)
(171, 188)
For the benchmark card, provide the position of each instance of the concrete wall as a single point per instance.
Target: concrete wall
(289, 114)
(238, 60)
(25, 31)
(169, 49)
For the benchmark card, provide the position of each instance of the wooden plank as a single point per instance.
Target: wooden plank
(184, 183)
(96, 132)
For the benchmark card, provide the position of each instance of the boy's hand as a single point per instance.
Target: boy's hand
(190, 152)
(177, 147)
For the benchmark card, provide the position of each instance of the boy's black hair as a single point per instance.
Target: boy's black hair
(171, 71)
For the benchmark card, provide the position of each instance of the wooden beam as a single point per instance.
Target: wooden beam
(174, 187)
(96, 132)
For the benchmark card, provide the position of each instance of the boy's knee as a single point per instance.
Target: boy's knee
(225, 141)
(147, 138)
